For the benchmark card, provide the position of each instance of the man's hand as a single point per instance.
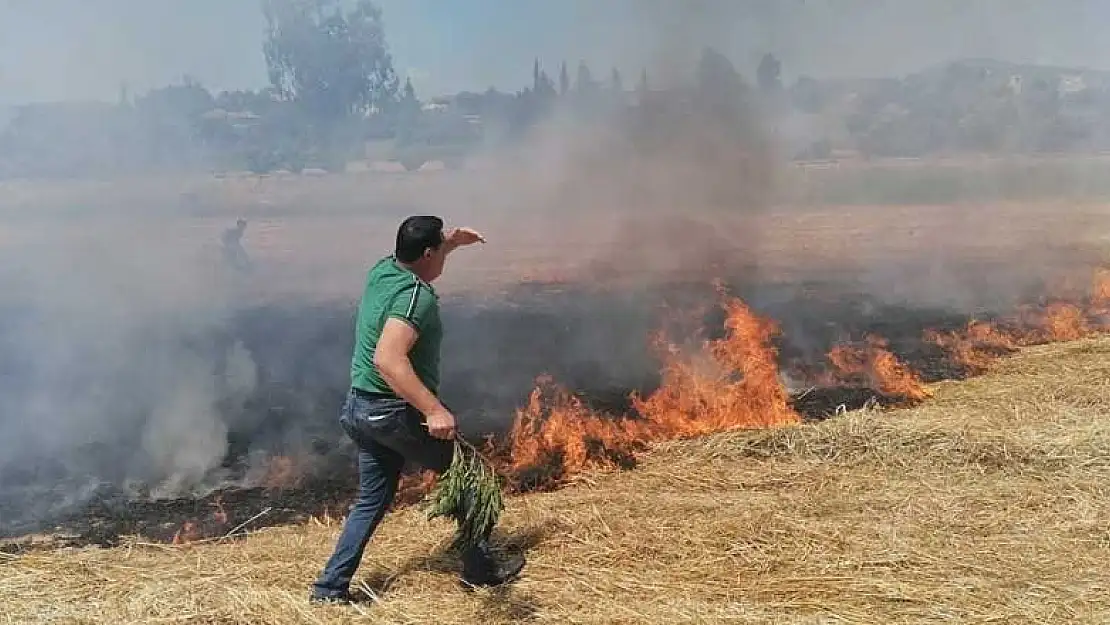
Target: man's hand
(441, 424)
(458, 237)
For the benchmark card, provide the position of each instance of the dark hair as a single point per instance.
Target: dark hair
(417, 234)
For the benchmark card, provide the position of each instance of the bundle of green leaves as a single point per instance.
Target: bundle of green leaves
(470, 492)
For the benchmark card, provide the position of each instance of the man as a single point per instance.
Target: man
(234, 254)
(393, 411)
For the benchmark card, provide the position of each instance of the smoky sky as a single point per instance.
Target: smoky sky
(73, 49)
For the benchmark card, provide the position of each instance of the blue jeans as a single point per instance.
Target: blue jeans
(387, 431)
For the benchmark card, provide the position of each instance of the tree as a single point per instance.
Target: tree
(545, 88)
(408, 94)
(584, 82)
(768, 74)
(171, 118)
(719, 84)
(329, 57)
(407, 114)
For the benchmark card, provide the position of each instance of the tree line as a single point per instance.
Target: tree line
(333, 90)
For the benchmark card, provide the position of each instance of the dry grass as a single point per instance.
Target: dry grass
(986, 505)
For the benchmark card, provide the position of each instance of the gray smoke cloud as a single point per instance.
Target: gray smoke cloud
(110, 359)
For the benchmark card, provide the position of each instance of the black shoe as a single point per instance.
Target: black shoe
(343, 599)
(482, 568)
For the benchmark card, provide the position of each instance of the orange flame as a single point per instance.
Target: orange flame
(731, 383)
(878, 368)
(981, 343)
(1060, 321)
(556, 428)
(976, 347)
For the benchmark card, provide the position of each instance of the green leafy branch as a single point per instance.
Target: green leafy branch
(470, 492)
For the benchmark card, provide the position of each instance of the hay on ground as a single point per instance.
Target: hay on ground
(987, 504)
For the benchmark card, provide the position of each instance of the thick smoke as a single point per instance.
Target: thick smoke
(114, 367)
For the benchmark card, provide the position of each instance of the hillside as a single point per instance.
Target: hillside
(986, 504)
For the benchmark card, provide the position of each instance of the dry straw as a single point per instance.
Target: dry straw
(988, 504)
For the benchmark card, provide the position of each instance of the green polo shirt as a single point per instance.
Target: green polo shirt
(392, 290)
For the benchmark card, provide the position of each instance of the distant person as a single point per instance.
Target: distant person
(393, 411)
(234, 254)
